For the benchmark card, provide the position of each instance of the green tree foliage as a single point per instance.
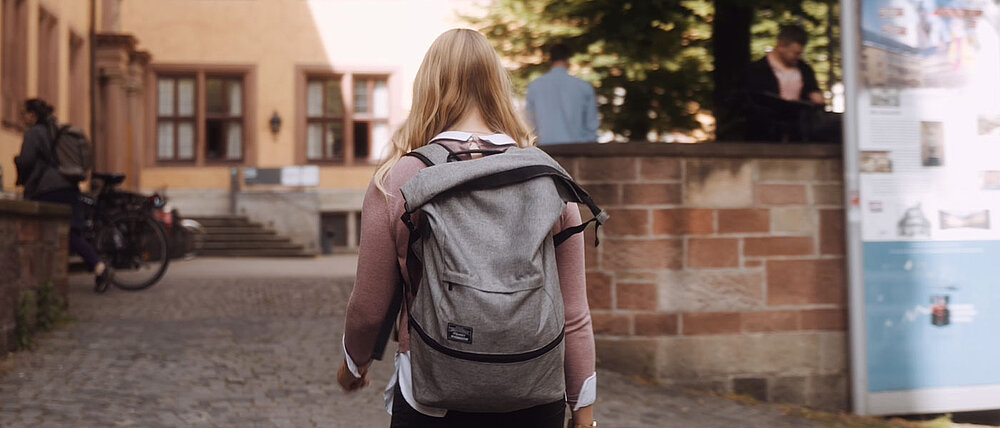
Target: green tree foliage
(650, 61)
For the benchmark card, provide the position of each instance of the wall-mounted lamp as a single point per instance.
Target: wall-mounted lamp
(275, 123)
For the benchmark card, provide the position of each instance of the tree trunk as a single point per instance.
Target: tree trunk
(731, 52)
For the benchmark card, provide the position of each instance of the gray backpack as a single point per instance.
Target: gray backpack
(72, 153)
(486, 323)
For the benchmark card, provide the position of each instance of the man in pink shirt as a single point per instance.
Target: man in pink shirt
(780, 88)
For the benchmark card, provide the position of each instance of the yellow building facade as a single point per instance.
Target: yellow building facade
(277, 110)
(236, 91)
(44, 53)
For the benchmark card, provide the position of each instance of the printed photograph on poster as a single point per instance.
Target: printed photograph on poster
(991, 180)
(876, 162)
(989, 125)
(979, 219)
(919, 44)
(884, 97)
(931, 143)
(914, 223)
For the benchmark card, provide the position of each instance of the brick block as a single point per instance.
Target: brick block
(788, 389)
(656, 324)
(711, 291)
(699, 323)
(718, 183)
(568, 163)
(828, 194)
(627, 222)
(753, 263)
(797, 220)
(635, 296)
(833, 352)
(831, 232)
(631, 357)
(828, 392)
(651, 194)
(637, 276)
(706, 253)
(613, 324)
(29, 230)
(797, 170)
(599, 290)
(745, 221)
(604, 195)
(629, 254)
(804, 282)
(728, 355)
(683, 222)
(607, 169)
(770, 321)
(824, 319)
(592, 254)
(782, 194)
(29, 265)
(778, 246)
(753, 387)
(658, 168)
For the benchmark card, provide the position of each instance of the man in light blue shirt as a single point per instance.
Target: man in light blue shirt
(561, 107)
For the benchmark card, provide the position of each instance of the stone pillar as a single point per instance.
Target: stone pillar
(136, 96)
(120, 70)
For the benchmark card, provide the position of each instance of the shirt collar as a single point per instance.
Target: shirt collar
(495, 139)
(559, 69)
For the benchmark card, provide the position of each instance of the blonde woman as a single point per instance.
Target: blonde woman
(462, 99)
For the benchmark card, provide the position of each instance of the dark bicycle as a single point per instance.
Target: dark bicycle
(123, 230)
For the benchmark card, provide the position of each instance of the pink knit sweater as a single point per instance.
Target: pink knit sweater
(383, 254)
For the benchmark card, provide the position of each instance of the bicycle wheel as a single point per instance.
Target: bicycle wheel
(135, 245)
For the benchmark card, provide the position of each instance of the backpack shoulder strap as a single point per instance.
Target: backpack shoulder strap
(431, 154)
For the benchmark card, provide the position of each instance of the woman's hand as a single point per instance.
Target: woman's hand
(584, 416)
(347, 380)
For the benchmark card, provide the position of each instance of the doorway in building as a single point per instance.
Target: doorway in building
(339, 232)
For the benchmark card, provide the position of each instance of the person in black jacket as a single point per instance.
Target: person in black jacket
(782, 97)
(42, 182)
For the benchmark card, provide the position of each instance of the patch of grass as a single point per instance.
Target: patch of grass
(40, 310)
(26, 319)
(844, 420)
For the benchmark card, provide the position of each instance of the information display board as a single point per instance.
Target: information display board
(922, 165)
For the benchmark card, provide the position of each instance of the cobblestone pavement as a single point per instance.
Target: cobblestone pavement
(253, 343)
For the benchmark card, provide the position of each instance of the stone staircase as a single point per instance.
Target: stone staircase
(237, 236)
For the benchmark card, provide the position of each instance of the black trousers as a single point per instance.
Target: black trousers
(77, 244)
(552, 415)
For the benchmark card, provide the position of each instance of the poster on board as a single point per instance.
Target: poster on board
(928, 181)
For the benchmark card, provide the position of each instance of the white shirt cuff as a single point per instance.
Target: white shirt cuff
(588, 393)
(347, 357)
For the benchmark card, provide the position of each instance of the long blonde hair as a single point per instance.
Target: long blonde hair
(460, 71)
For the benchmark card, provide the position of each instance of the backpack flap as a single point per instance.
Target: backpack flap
(513, 166)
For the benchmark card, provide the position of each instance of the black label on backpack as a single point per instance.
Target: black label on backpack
(459, 333)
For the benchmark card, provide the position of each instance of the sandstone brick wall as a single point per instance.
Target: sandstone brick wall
(34, 246)
(720, 271)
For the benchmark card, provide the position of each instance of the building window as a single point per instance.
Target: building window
(14, 67)
(223, 118)
(324, 119)
(200, 117)
(347, 118)
(78, 82)
(48, 57)
(371, 115)
(175, 122)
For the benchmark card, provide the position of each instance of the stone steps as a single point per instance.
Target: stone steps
(256, 252)
(237, 236)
